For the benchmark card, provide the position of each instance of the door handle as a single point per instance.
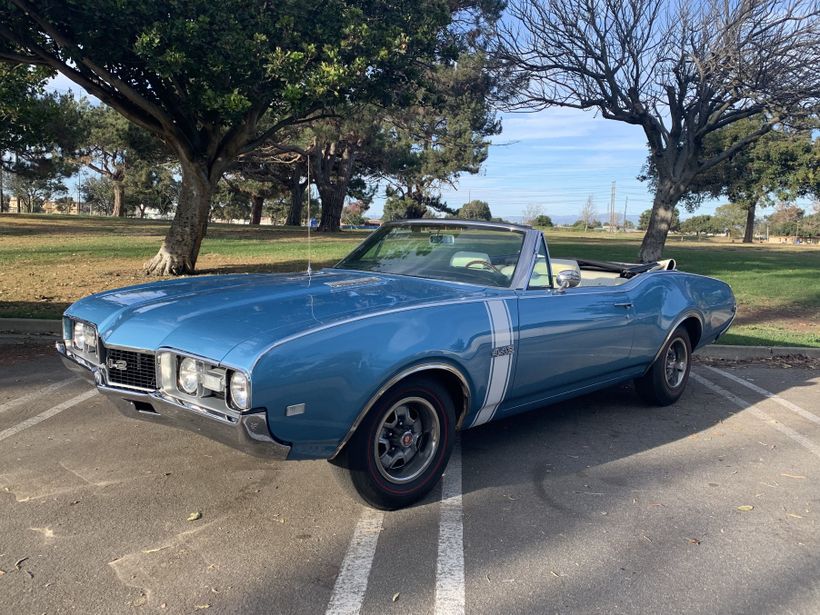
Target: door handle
(623, 305)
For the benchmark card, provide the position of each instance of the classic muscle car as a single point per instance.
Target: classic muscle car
(427, 328)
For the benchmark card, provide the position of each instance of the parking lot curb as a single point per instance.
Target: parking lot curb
(740, 353)
(30, 327)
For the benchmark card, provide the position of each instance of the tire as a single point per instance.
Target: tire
(400, 450)
(666, 380)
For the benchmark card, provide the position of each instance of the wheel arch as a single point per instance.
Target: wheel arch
(694, 327)
(693, 322)
(449, 375)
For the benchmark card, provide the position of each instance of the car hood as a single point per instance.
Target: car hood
(210, 315)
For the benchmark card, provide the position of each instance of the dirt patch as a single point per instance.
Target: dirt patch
(801, 319)
(48, 262)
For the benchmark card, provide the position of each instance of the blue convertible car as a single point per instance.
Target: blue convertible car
(427, 328)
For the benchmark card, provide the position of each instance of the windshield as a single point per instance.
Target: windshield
(476, 255)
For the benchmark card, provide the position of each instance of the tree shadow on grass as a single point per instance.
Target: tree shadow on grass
(22, 225)
(293, 266)
(33, 309)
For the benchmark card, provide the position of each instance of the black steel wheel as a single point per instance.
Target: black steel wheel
(400, 450)
(666, 379)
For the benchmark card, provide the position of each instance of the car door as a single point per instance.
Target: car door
(570, 339)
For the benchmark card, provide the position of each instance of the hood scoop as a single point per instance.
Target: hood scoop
(353, 282)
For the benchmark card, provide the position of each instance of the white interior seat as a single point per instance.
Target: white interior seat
(601, 278)
(462, 258)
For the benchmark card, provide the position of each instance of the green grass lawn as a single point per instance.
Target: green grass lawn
(777, 286)
(46, 262)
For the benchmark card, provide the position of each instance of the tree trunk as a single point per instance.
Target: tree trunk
(119, 194)
(333, 201)
(297, 200)
(256, 209)
(333, 169)
(663, 206)
(749, 232)
(180, 248)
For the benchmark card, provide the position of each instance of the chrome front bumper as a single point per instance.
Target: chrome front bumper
(248, 433)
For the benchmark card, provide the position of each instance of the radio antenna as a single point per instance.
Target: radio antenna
(309, 270)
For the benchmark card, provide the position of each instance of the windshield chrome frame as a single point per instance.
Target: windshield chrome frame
(526, 256)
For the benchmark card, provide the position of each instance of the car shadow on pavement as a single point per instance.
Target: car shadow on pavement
(541, 490)
(610, 500)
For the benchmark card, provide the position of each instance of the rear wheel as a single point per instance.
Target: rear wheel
(666, 380)
(400, 450)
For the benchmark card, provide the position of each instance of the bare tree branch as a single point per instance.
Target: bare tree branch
(680, 71)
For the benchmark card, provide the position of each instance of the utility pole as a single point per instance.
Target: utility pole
(612, 210)
(626, 204)
(79, 181)
(2, 193)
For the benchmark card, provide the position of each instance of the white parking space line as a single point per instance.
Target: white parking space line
(761, 414)
(351, 584)
(35, 394)
(11, 431)
(773, 396)
(450, 563)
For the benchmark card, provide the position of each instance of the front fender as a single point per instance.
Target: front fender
(338, 372)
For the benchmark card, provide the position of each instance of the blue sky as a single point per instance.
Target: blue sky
(555, 158)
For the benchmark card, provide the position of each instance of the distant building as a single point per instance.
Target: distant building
(48, 207)
(16, 207)
(797, 240)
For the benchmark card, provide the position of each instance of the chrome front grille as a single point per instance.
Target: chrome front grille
(131, 369)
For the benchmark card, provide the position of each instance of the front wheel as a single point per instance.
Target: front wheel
(400, 450)
(666, 380)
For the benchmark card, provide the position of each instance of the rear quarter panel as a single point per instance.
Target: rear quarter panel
(336, 371)
(662, 299)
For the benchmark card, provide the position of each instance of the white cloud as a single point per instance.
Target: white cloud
(547, 124)
(609, 145)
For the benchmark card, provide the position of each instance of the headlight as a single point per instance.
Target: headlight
(78, 335)
(89, 338)
(188, 379)
(84, 337)
(240, 391)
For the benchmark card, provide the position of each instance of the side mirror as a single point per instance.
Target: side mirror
(568, 278)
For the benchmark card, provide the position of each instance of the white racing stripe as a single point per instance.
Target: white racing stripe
(501, 365)
(450, 563)
(34, 395)
(39, 418)
(774, 397)
(351, 584)
(755, 410)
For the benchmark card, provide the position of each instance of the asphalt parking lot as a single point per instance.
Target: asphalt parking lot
(597, 505)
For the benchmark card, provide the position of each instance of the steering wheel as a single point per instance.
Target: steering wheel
(487, 265)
